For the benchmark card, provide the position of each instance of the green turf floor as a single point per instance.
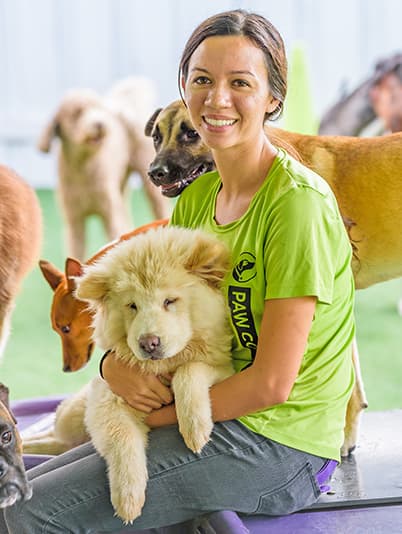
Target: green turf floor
(32, 363)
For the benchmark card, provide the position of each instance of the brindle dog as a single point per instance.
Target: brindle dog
(364, 173)
(14, 485)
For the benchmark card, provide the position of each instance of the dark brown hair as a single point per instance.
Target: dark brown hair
(260, 32)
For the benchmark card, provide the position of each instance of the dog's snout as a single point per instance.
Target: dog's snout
(149, 343)
(158, 173)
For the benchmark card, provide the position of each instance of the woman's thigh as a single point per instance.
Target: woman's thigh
(236, 470)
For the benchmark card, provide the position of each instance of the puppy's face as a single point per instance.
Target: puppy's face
(181, 156)
(152, 294)
(155, 321)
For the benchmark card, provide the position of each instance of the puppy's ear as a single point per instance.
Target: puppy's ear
(209, 259)
(151, 122)
(92, 286)
(52, 275)
(48, 134)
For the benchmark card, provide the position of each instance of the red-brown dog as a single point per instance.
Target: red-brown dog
(69, 316)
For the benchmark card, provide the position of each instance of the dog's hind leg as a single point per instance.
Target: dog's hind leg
(120, 437)
(357, 403)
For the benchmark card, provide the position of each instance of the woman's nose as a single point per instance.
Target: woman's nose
(218, 97)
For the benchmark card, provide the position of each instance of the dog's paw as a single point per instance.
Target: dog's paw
(196, 433)
(128, 504)
(349, 445)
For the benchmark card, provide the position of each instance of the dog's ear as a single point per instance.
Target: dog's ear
(48, 134)
(209, 259)
(93, 285)
(52, 275)
(151, 122)
(73, 268)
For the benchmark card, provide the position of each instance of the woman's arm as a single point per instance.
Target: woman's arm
(282, 341)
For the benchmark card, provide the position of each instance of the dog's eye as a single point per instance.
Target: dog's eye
(132, 306)
(6, 437)
(157, 138)
(168, 302)
(65, 329)
(192, 134)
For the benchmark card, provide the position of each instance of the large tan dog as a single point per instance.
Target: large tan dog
(20, 241)
(365, 175)
(157, 302)
(102, 142)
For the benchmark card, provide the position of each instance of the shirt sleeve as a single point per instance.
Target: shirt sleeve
(301, 248)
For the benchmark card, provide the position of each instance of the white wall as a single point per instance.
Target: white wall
(48, 46)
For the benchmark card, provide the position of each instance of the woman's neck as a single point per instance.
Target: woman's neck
(243, 170)
(242, 173)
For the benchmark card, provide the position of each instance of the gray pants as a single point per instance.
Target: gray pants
(237, 470)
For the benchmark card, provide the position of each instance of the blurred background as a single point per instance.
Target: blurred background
(50, 46)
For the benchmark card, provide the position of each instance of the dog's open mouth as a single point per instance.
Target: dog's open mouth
(174, 189)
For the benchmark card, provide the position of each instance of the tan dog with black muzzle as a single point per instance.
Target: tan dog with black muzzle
(364, 173)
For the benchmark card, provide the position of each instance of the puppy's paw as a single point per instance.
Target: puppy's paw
(127, 503)
(196, 433)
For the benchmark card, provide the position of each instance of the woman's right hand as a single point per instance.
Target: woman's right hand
(141, 391)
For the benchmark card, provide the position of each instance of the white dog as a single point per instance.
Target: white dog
(157, 302)
(102, 142)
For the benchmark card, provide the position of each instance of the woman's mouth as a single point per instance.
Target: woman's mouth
(218, 123)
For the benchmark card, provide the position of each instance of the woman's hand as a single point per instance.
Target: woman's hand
(141, 391)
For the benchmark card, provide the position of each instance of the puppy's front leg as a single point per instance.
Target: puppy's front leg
(120, 437)
(190, 384)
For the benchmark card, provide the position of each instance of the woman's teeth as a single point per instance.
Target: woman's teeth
(219, 122)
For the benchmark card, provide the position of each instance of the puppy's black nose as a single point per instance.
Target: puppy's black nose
(149, 343)
(158, 173)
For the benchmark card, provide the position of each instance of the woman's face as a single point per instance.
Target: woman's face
(227, 91)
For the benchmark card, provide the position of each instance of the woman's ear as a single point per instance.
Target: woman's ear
(272, 104)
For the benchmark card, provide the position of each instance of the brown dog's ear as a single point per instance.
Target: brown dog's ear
(92, 286)
(151, 122)
(48, 134)
(73, 268)
(52, 275)
(209, 259)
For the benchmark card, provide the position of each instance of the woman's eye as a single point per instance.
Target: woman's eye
(201, 80)
(241, 83)
(168, 302)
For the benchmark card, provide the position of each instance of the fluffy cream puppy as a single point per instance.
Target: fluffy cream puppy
(156, 301)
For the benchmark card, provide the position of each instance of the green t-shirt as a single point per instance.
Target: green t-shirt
(291, 242)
